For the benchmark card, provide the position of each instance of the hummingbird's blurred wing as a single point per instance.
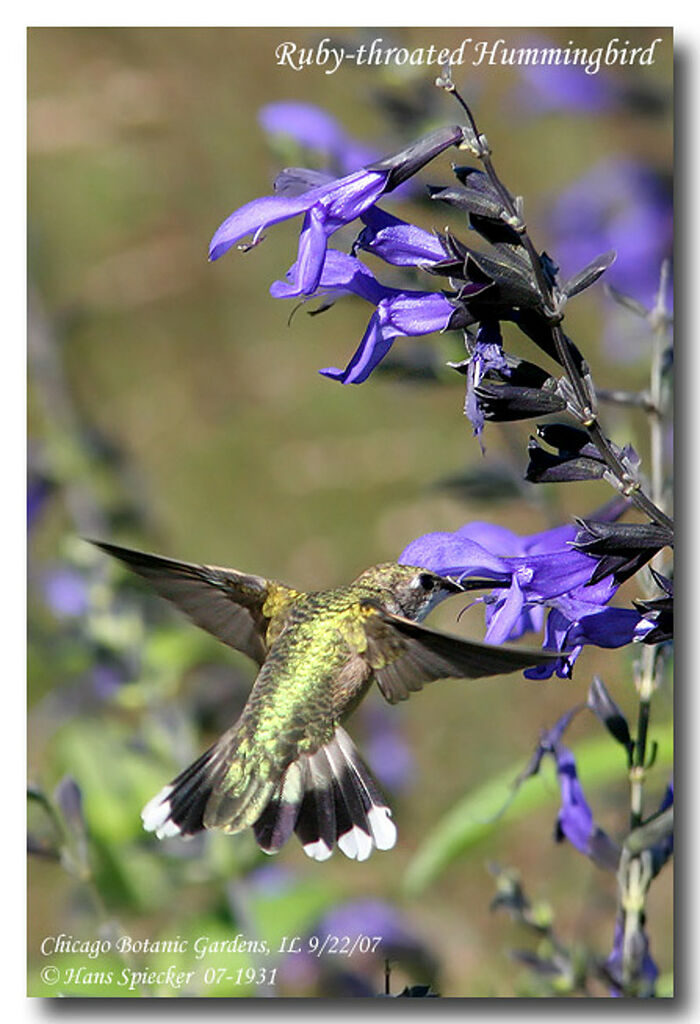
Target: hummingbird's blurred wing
(233, 606)
(405, 655)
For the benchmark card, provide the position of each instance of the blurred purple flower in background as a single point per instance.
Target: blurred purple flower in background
(107, 679)
(315, 129)
(39, 489)
(66, 592)
(545, 88)
(387, 753)
(622, 205)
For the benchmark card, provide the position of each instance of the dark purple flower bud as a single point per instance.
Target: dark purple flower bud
(69, 799)
(621, 548)
(577, 458)
(477, 195)
(607, 711)
(588, 275)
(503, 402)
(409, 161)
(545, 467)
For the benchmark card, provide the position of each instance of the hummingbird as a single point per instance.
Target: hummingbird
(288, 765)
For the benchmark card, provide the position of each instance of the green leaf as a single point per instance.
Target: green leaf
(478, 814)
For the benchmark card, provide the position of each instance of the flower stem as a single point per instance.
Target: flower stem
(582, 388)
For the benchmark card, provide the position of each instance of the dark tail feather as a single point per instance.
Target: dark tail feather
(328, 798)
(178, 810)
(276, 823)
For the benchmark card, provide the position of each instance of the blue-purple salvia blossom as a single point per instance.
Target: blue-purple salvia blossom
(399, 312)
(398, 242)
(544, 573)
(575, 821)
(328, 206)
(487, 356)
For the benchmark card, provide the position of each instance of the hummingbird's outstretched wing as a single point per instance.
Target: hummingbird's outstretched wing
(234, 606)
(404, 655)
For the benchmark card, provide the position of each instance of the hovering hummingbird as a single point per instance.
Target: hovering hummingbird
(287, 764)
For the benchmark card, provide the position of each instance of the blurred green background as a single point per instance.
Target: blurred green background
(173, 407)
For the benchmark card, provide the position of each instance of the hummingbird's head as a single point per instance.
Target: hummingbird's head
(409, 590)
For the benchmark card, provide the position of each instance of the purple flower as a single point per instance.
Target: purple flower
(397, 242)
(563, 87)
(328, 206)
(399, 313)
(66, 592)
(487, 355)
(647, 973)
(536, 572)
(388, 754)
(575, 819)
(314, 128)
(618, 204)
(39, 489)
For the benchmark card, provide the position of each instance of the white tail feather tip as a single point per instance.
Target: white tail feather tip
(317, 850)
(355, 844)
(382, 827)
(156, 813)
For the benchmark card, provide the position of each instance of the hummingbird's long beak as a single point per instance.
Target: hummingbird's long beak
(457, 587)
(452, 585)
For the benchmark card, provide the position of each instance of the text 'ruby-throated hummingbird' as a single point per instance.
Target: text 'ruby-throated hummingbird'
(287, 764)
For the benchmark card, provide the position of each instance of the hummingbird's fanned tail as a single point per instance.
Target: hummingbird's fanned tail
(328, 798)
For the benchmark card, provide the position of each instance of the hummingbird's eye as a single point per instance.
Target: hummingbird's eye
(427, 581)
